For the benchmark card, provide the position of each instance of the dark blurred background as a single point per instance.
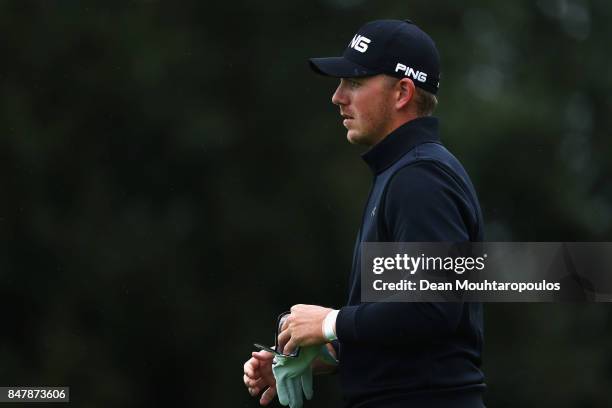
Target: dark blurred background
(172, 176)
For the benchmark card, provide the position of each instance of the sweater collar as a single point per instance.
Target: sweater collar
(399, 142)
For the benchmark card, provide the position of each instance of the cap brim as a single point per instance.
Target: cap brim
(339, 67)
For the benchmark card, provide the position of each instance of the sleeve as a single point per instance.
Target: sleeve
(422, 203)
(336, 346)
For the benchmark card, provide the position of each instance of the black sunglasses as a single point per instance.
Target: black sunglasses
(276, 350)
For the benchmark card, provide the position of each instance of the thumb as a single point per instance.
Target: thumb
(262, 355)
(268, 395)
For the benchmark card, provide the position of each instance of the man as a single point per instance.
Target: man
(395, 354)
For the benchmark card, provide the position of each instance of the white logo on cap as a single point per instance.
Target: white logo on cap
(360, 43)
(413, 73)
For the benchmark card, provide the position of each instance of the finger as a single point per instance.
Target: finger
(246, 380)
(291, 393)
(282, 390)
(296, 393)
(267, 396)
(253, 382)
(252, 373)
(290, 346)
(307, 384)
(259, 383)
(283, 338)
(250, 367)
(262, 356)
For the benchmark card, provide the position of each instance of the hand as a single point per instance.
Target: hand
(303, 327)
(258, 375)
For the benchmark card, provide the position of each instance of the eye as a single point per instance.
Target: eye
(353, 83)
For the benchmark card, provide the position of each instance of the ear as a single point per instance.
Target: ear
(406, 93)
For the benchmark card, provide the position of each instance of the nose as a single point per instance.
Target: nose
(339, 96)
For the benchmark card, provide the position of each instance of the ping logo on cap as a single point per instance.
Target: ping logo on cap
(360, 43)
(410, 72)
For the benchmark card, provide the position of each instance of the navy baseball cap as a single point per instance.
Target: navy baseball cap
(398, 48)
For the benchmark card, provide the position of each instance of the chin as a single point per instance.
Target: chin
(357, 139)
(351, 139)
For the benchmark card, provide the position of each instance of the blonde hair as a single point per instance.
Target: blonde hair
(425, 102)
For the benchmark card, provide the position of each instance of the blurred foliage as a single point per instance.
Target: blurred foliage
(173, 176)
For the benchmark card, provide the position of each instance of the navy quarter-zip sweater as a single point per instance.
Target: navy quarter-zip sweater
(413, 354)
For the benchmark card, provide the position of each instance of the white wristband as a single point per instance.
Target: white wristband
(328, 325)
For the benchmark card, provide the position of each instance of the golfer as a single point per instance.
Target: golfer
(393, 355)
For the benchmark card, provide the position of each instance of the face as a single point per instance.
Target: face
(365, 106)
